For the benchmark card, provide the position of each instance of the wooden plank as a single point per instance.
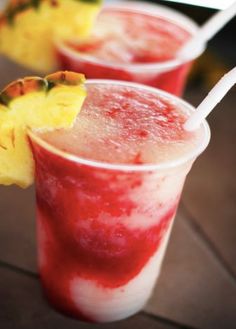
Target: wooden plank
(22, 306)
(210, 191)
(17, 227)
(11, 71)
(193, 288)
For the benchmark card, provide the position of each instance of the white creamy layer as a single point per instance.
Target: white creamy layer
(157, 195)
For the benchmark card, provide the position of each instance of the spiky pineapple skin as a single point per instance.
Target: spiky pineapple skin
(34, 103)
(28, 36)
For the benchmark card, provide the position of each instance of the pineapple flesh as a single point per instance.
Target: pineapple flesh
(34, 103)
(29, 28)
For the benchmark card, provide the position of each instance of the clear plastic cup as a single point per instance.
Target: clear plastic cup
(169, 75)
(103, 227)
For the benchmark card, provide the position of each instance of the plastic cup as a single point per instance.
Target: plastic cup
(102, 227)
(169, 75)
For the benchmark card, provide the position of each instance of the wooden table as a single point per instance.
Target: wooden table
(197, 287)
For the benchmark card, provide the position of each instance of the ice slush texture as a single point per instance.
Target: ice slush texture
(124, 38)
(120, 36)
(126, 125)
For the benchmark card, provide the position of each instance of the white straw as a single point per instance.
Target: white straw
(212, 99)
(207, 31)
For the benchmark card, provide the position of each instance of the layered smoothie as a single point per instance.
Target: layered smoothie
(133, 44)
(107, 193)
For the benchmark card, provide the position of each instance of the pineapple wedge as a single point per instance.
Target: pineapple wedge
(34, 103)
(28, 29)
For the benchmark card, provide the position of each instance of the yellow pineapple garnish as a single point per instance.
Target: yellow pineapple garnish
(34, 103)
(29, 28)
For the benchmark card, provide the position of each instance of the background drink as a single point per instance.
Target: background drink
(134, 42)
(106, 205)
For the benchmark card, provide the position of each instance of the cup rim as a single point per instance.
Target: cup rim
(132, 167)
(153, 10)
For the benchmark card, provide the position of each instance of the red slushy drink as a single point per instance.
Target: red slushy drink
(107, 193)
(134, 43)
